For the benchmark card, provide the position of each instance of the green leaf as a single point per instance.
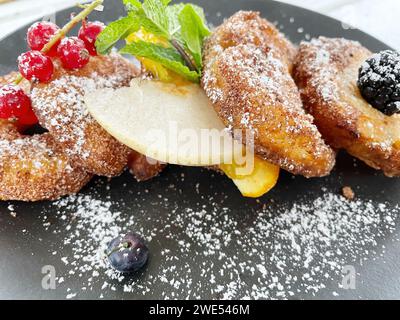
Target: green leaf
(200, 12)
(193, 31)
(168, 57)
(149, 25)
(155, 10)
(173, 12)
(115, 31)
(132, 4)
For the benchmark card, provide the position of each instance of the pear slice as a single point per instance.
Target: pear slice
(168, 122)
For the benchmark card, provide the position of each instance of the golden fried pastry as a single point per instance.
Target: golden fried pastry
(326, 70)
(247, 27)
(252, 91)
(60, 108)
(31, 167)
(143, 168)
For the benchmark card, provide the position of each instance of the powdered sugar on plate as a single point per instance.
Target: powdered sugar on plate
(280, 251)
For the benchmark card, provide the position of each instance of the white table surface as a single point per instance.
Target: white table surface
(379, 18)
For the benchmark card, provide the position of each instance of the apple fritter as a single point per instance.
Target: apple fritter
(326, 70)
(60, 108)
(32, 168)
(250, 86)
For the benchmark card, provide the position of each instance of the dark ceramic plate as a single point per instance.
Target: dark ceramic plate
(236, 247)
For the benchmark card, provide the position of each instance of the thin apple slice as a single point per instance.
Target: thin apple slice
(170, 123)
(257, 182)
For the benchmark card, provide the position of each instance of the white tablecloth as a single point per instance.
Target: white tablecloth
(379, 18)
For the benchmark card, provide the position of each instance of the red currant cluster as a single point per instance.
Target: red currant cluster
(36, 65)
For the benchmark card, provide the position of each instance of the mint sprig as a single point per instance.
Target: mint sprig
(182, 26)
(115, 31)
(168, 57)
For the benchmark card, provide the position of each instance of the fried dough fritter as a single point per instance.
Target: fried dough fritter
(143, 168)
(31, 167)
(326, 70)
(60, 108)
(247, 27)
(252, 91)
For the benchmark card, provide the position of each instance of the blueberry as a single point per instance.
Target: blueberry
(128, 254)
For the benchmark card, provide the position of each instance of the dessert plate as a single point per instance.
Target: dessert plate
(302, 240)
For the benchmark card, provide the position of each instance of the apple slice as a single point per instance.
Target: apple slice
(259, 181)
(170, 123)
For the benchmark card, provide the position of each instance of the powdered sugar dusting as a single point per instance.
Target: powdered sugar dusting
(65, 110)
(282, 251)
(323, 61)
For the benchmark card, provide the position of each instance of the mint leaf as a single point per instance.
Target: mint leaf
(168, 57)
(173, 12)
(132, 4)
(149, 25)
(147, 50)
(136, 4)
(201, 20)
(193, 31)
(155, 10)
(151, 14)
(114, 32)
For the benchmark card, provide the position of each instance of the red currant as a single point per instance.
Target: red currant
(40, 33)
(72, 53)
(88, 34)
(14, 103)
(28, 119)
(34, 65)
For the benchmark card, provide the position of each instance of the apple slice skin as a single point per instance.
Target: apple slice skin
(164, 121)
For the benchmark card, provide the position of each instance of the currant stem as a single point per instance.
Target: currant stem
(64, 31)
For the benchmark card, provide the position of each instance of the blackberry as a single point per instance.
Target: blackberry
(379, 81)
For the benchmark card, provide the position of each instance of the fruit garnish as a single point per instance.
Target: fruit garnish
(260, 179)
(168, 40)
(88, 34)
(35, 66)
(27, 119)
(128, 254)
(158, 71)
(182, 27)
(40, 33)
(44, 38)
(52, 44)
(379, 81)
(73, 53)
(173, 121)
(15, 104)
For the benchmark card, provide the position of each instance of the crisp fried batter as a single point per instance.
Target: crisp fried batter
(60, 108)
(143, 168)
(247, 27)
(326, 70)
(252, 91)
(31, 167)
